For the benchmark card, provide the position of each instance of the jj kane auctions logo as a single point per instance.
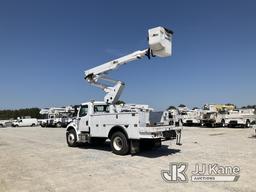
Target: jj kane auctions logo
(201, 173)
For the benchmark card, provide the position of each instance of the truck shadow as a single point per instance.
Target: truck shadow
(149, 153)
(164, 150)
(103, 147)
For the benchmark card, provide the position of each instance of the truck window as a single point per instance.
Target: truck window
(101, 108)
(83, 110)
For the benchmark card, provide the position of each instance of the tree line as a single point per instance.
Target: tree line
(13, 114)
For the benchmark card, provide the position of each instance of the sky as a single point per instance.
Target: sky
(46, 45)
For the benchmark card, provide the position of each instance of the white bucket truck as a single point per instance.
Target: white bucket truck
(240, 117)
(56, 116)
(129, 128)
(192, 117)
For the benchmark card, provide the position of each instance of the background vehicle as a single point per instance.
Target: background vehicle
(56, 116)
(192, 117)
(175, 118)
(214, 119)
(128, 127)
(24, 122)
(215, 114)
(240, 117)
(2, 123)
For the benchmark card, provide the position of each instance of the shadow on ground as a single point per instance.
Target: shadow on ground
(164, 150)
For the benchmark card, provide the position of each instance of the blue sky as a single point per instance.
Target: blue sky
(46, 45)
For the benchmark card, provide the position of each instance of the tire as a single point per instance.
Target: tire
(222, 123)
(33, 125)
(1, 125)
(119, 144)
(58, 124)
(71, 138)
(247, 124)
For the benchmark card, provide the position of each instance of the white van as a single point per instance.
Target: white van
(25, 122)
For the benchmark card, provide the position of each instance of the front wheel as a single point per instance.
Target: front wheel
(71, 138)
(119, 144)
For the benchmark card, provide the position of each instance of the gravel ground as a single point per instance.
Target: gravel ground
(38, 159)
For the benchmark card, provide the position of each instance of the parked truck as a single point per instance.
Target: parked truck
(192, 117)
(175, 117)
(240, 117)
(213, 119)
(127, 130)
(3, 123)
(216, 114)
(56, 116)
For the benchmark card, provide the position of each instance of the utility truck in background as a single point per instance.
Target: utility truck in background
(216, 114)
(174, 117)
(192, 117)
(130, 126)
(240, 117)
(56, 116)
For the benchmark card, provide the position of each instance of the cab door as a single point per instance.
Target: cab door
(83, 119)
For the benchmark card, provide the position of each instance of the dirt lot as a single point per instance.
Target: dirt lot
(38, 159)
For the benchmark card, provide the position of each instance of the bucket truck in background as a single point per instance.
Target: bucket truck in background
(127, 127)
(240, 117)
(56, 116)
(192, 117)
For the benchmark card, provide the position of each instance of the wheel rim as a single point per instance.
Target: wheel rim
(71, 138)
(118, 143)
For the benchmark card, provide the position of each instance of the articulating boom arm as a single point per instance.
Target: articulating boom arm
(159, 45)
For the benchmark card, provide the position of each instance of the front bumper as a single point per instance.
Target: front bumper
(192, 121)
(236, 122)
(208, 121)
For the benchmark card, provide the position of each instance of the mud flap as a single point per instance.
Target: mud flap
(134, 146)
(178, 137)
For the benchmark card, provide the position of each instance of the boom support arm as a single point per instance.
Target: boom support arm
(159, 45)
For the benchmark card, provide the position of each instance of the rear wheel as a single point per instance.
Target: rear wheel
(33, 125)
(222, 123)
(58, 124)
(119, 144)
(247, 124)
(71, 138)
